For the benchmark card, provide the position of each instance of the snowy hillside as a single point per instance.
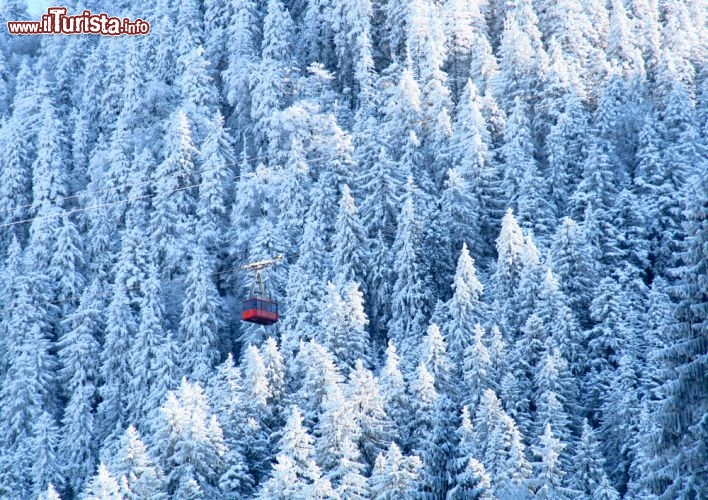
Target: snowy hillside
(493, 223)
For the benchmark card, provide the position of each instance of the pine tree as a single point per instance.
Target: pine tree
(682, 435)
(620, 421)
(368, 405)
(574, 266)
(29, 385)
(394, 475)
(217, 179)
(201, 323)
(268, 85)
(137, 473)
(337, 432)
(522, 59)
(409, 302)
(274, 371)
(476, 367)
(501, 447)
(103, 486)
(604, 343)
(189, 441)
(465, 469)
(473, 483)
(46, 467)
(16, 150)
(517, 151)
(151, 356)
(316, 370)
(242, 38)
(78, 355)
(255, 381)
(393, 389)
(381, 185)
(458, 222)
(67, 267)
(402, 113)
(550, 472)
(296, 457)
(344, 326)
(348, 242)
(48, 176)
(115, 369)
(507, 275)
(571, 25)
(465, 307)
(294, 196)
(422, 406)
(49, 494)
(465, 27)
(438, 450)
(471, 151)
(226, 397)
(587, 473)
(197, 90)
(174, 200)
(351, 23)
(434, 356)
(555, 397)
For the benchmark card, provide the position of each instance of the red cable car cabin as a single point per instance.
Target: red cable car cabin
(260, 311)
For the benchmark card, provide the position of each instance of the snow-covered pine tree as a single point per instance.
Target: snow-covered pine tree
(103, 486)
(268, 85)
(587, 473)
(314, 370)
(410, 300)
(465, 308)
(476, 367)
(500, 447)
(574, 267)
(216, 184)
(174, 201)
(507, 274)
(78, 352)
(337, 432)
(682, 415)
(395, 475)
(434, 356)
(368, 404)
(46, 468)
(550, 473)
(30, 383)
(115, 368)
(295, 472)
(151, 355)
(201, 339)
(242, 38)
(344, 326)
(349, 242)
(136, 471)
(393, 389)
(471, 151)
(190, 443)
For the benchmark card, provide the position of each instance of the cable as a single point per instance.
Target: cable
(127, 200)
(131, 288)
(150, 181)
(240, 162)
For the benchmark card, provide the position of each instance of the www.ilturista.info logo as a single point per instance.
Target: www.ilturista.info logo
(56, 22)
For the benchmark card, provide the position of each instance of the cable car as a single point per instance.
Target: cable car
(260, 311)
(259, 308)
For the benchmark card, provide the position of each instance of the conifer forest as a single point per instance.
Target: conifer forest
(485, 233)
